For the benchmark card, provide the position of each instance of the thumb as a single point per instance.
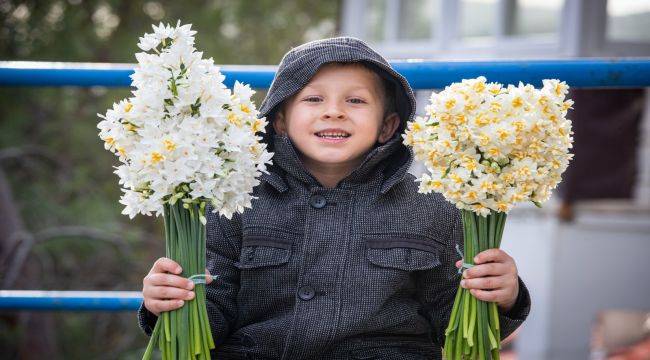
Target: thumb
(459, 263)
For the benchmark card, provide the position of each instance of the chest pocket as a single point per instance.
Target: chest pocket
(260, 251)
(404, 252)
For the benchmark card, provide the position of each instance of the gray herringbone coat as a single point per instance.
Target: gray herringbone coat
(361, 271)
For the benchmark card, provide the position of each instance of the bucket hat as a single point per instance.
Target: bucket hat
(301, 63)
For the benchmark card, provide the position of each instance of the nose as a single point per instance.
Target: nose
(333, 111)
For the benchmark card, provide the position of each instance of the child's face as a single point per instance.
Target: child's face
(345, 99)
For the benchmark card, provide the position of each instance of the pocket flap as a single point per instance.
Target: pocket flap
(262, 251)
(407, 253)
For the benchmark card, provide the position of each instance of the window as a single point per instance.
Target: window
(537, 17)
(417, 18)
(478, 19)
(628, 20)
(375, 17)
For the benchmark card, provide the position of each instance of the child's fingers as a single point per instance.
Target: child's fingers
(164, 264)
(488, 282)
(459, 263)
(487, 295)
(160, 279)
(167, 292)
(158, 306)
(491, 255)
(495, 269)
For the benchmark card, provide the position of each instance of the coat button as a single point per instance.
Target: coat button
(306, 292)
(317, 201)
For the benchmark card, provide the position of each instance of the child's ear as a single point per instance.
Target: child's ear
(389, 125)
(279, 124)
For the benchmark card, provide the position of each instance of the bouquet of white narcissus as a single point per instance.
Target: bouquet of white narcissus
(487, 147)
(185, 141)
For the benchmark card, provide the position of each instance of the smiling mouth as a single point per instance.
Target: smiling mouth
(326, 135)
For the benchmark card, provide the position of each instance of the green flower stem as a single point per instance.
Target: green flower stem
(154, 334)
(473, 331)
(184, 333)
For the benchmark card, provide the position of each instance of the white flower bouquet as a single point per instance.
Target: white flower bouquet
(184, 141)
(487, 147)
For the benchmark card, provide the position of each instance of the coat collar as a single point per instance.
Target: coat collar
(392, 158)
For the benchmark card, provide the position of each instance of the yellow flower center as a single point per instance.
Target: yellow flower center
(254, 149)
(543, 100)
(503, 134)
(555, 163)
(432, 156)
(234, 119)
(495, 107)
(518, 124)
(481, 121)
(449, 104)
(494, 152)
(457, 179)
(507, 178)
(156, 157)
(483, 139)
(257, 125)
(487, 186)
(495, 91)
(470, 107)
(169, 145)
(436, 184)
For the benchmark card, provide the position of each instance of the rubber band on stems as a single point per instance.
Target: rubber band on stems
(201, 278)
(465, 265)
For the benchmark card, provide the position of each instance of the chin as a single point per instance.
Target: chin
(333, 159)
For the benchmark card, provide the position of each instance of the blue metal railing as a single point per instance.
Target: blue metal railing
(69, 300)
(632, 72)
(628, 72)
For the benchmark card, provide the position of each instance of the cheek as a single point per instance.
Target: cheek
(372, 123)
(299, 121)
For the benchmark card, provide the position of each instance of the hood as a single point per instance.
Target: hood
(301, 63)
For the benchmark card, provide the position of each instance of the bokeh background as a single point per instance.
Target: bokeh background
(583, 256)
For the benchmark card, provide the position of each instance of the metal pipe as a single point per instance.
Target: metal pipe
(70, 300)
(422, 74)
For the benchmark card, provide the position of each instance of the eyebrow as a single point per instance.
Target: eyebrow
(358, 87)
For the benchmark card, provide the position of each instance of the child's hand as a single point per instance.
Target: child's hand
(164, 291)
(492, 278)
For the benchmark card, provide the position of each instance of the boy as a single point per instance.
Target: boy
(339, 257)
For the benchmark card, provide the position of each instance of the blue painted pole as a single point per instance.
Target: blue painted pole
(422, 74)
(70, 300)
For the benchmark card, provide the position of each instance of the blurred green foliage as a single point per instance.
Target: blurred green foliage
(73, 183)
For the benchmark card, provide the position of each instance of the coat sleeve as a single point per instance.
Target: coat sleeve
(223, 244)
(437, 289)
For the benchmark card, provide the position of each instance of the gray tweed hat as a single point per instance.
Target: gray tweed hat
(301, 63)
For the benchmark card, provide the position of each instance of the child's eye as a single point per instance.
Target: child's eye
(357, 101)
(312, 99)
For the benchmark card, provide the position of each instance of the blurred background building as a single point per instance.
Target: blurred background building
(583, 256)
